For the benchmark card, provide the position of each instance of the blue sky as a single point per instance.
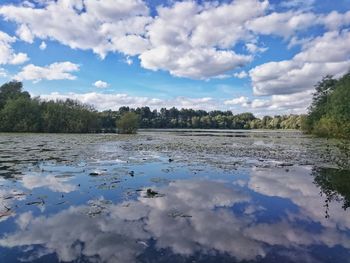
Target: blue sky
(240, 55)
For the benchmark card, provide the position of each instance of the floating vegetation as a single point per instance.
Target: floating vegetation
(152, 194)
(175, 214)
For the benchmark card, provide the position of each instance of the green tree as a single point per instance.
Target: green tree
(329, 113)
(10, 91)
(21, 115)
(128, 123)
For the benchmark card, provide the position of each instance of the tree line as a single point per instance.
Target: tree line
(19, 112)
(329, 112)
(199, 119)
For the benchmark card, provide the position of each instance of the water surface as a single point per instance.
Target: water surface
(183, 196)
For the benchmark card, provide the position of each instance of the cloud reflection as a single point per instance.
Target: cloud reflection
(194, 216)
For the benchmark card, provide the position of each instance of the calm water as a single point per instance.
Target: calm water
(173, 197)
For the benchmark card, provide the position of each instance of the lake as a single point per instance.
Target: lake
(174, 196)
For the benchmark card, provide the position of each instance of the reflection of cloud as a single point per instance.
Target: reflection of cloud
(192, 217)
(32, 181)
(114, 236)
(297, 185)
(287, 235)
(7, 198)
(71, 234)
(202, 231)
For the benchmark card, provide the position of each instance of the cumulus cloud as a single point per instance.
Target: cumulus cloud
(3, 73)
(241, 75)
(237, 101)
(7, 54)
(335, 20)
(305, 68)
(25, 33)
(101, 84)
(200, 48)
(253, 48)
(193, 41)
(128, 60)
(296, 103)
(282, 24)
(103, 101)
(43, 45)
(55, 71)
(188, 39)
(298, 4)
(281, 104)
(101, 26)
(196, 63)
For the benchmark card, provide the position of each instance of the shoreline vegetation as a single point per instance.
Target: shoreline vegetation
(329, 115)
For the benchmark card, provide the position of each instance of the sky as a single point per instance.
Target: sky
(243, 55)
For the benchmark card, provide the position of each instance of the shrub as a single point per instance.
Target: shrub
(128, 123)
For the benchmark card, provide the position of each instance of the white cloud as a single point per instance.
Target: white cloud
(43, 45)
(89, 24)
(25, 33)
(298, 4)
(281, 104)
(184, 38)
(195, 63)
(200, 48)
(193, 41)
(112, 10)
(128, 60)
(3, 73)
(282, 24)
(305, 68)
(241, 74)
(55, 71)
(297, 102)
(335, 20)
(101, 84)
(253, 48)
(7, 54)
(103, 101)
(237, 101)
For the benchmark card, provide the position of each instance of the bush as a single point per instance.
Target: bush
(128, 123)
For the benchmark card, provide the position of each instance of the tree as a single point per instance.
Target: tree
(329, 113)
(12, 90)
(128, 123)
(21, 115)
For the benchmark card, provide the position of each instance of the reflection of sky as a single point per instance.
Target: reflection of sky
(193, 216)
(55, 184)
(299, 188)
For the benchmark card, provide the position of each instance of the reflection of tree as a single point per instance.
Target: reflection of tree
(334, 184)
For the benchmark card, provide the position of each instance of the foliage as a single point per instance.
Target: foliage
(199, 119)
(21, 113)
(128, 123)
(329, 113)
(334, 184)
(11, 91)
